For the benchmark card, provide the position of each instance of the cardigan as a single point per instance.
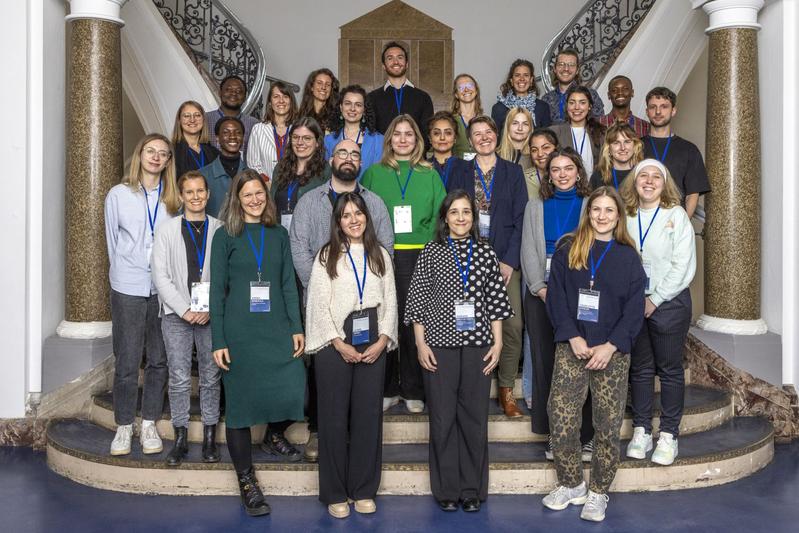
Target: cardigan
(371, 148)
(218, 184)
(170, 265)
(330, 301)
(507, 206)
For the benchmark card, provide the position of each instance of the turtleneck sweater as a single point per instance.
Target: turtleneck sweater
(561, 215)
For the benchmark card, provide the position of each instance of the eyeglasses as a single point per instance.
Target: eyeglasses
(305, 139)
(152, 152)
(466, 86)
(344, 154)
(189, 116)
(562, 64)
(260, 195)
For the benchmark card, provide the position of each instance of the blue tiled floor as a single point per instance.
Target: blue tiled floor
(33, 499)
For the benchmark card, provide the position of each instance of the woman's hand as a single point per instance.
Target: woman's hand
(346, 351)
(426, 357)
(299, 344)
(492, 357)
(542, 293)
(602, 356)
(190, 316)
(649, 307)
(374, 350)
(202, 318)
(506, 271)
(580, 348)
(220, 357)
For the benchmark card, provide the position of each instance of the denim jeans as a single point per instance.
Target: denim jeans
(179, 338)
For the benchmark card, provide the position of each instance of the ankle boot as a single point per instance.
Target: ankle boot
(210, 451)
(251, 496)
(508, 402)
(180, 449)
(275, 443)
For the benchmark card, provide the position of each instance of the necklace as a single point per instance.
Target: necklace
(193, 225)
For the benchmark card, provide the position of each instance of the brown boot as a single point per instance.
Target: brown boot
(508, 402)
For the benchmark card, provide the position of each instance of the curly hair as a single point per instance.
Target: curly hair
(336, 123)
(507, 86)
(306, 105)
(286, 169)
(547, 189)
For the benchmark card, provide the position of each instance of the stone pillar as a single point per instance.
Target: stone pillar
(732, 227)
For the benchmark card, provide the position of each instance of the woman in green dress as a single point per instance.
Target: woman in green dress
(255, 325)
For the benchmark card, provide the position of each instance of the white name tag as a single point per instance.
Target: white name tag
(484, 224)
(648, 272)
(588, 305)
(403, 219)
(468, 156)
(285, 220)
(360, 330)
(464, 315)
(549, 265)
(200, 297)
(259, 297)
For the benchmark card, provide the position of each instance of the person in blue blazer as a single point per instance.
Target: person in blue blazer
(356, 122)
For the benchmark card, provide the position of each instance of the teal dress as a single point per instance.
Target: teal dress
(265, 383)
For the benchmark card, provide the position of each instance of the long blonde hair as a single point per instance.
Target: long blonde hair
(670, 197)
(417, 156)
(177, 130)
(506, 150)
(605, 165)
(583, 239)
(169, 189)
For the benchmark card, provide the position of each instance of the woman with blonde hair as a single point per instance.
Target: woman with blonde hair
(621, 151)
(465, 106)
(190, 137)
(412, 191)
(515, 145)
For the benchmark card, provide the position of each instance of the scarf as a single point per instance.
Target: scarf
(527, 102)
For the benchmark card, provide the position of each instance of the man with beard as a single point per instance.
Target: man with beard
(310, 230)
(232, 92)
(620, 94)
(398, 95)
(567, 75)
(680, 156)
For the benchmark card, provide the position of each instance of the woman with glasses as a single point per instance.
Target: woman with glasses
(319, 98)
(519, 90)
(356, 122)
(193, 149)
(466, 105)
(269, 139)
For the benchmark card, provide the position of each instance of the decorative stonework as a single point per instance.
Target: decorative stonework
(24, 432)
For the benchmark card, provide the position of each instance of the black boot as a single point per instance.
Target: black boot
(251, 496)
(275, 443)
(180, 449)
(210, 451)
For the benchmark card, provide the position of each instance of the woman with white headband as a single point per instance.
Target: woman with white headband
(665, 239)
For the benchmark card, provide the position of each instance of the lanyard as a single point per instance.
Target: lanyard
(445, 170)
(641, 235)
(357, 139)
(259, 254)
(464, 272)
(152, 217)
(538, 175)
(463, 121)
(280, 141)
(575, 200)
(561, 102)
(407, 181)
(615, 179)
(361, 284)
(199, 162)
(582, 143)
(488, 191)
(655, 150)
(200, 253)
(595, 267)
(398, 98)
(292, 187)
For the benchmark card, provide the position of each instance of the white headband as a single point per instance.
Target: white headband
(651, 163)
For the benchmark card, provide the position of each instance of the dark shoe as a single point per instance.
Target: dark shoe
(471, 505)
(180, 449)
(210, 451)
(448, 505)
(275, 443)
(311, 453)
(251, 496)
(508, 403)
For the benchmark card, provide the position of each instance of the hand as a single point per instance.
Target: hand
(506, 271)
(649, 307)
(202, 318)
(299, 344)
(347, 351)
(492, 357)
(580, 348)
(374, 350)
(220, 357)
(190, 316)
(602, 355)
(426, 357)
(542, 293)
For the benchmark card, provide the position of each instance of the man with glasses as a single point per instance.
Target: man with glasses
(232, 93)
(567, 74)
(310, 230)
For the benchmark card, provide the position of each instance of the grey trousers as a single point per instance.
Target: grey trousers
(136, 330)
(179, 338)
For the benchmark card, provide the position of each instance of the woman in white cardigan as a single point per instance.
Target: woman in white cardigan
(665, 239)
(181, 272)
(269, 139)
(351, 321)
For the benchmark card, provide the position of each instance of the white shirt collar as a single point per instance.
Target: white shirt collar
(407, 83)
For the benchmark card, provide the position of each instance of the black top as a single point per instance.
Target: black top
(596, 178)
(230, 164)
(620, 280)
(541, 118)
(198, 230)
(436, 285)
(684, 162)
(187, 159)
(415, 102)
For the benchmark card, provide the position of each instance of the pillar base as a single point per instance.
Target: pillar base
(731, 326)
(83, 330)
(65, 359)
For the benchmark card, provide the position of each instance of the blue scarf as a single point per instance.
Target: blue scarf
(527, 102)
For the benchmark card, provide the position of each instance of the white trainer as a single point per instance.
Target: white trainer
(561, 497)
(640, 444)
(149, 439)
(390, 402)
(121, 443)
(595, 506)
(414, 406)
(666, 449)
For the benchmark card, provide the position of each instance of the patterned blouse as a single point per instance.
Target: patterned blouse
(436, 285)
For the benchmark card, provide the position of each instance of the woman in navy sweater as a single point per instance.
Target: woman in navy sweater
(595, 302)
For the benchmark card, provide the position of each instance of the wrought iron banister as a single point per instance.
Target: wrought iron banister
(598, 32)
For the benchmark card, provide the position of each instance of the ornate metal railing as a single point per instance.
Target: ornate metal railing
(598, 32)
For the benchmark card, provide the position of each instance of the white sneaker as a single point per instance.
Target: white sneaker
(640, 444)
(561, 497)
(390, 402)
(414, 406)
(595, 506)
(121, 443)
(149, 439)
(666, 450)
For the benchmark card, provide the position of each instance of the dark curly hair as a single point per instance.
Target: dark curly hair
(329, 110)
(336, 123)
(507, 86)
(547, 189)
(286, 169)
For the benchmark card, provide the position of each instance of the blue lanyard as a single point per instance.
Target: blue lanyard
(361, 284)
(582, 143)
(463, 121)
(280, 141)
(292, 187)
(655, 150)
(538, 176)
(595, 267)
(575, 201)
(201, 162)
(561, 103)
(200, 253)
(641, 235)
(398, 98)
(150, 216)
(334, 194)
(464, 272)
(407, 181)
(357, 139)
(259, 254)
(444, 172)
(615, 179)
(488, 191)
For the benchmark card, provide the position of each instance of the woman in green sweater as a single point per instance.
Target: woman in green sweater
(255, 325)
(412, 192)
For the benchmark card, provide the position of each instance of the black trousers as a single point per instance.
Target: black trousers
(659, 350)
(403, 371)
(350, 426)
(457, 403)
(542, 347)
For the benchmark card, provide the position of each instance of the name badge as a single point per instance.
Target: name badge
(468, 156)
(403, 219)
(648, 272)
(588, 306)
(464, 315)
(360, 329)
(200, 296)
(549, 265)
(148, 248)
(285, 220)
(484, 224)
(259, 297)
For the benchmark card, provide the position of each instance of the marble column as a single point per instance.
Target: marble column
(732, 227)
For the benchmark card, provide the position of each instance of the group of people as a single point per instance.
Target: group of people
(359, 250)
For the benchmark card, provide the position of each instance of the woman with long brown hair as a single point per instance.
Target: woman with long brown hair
(519, 90)
(581, 130)
(466, 105)
(269, 139)
(319, 97)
